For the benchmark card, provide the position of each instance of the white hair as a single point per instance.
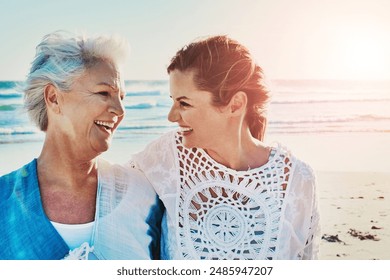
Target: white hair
(60, 59)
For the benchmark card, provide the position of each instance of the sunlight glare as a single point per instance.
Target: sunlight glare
(363, 55)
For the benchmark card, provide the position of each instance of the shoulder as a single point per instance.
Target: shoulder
(24, 171)
(17, 178)
(119, 172)
(164, 140)
(159, 150)
(123, 176)
(298, 166)
(161, 142)
(305, 170)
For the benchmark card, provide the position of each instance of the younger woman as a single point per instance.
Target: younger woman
(227, 194)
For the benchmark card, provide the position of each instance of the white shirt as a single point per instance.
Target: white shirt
(75, 234)
(126, 222)
(78, 238)
(213, 212)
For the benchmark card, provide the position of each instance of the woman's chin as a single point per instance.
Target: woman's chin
(188, 144)
(101, 147)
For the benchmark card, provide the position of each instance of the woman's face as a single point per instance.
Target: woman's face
(201, 124)
(93, 109)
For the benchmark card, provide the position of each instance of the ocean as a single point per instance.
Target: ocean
(297, 106)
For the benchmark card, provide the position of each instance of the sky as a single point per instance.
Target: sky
(297, 39)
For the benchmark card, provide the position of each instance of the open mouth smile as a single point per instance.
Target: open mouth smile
(106, 126)
(185, 130)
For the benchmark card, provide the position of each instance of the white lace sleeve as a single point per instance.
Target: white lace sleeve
(159, 163)
(129, 215)
(300, 218)
(311, 250)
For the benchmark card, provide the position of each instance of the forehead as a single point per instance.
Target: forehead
(182, 82)
(103, 73)
(183, 87)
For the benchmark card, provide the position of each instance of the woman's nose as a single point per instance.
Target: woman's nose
(117, 107)
(173, 115)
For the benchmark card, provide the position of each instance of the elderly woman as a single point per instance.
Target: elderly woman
(68, 202)
(228, 195)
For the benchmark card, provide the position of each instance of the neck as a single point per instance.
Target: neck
(67, 183)
(240, 153)
(64, 166)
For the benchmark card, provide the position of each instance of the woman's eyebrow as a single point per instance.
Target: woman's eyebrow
(108, 85)
(181, 98)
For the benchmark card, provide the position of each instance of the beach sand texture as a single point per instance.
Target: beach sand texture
(355, 219)
(353, 178)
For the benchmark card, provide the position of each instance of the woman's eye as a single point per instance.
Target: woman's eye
(104, 93)
(184, 104)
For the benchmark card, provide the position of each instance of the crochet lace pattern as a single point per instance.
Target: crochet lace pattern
(228, 214)
(80, 253)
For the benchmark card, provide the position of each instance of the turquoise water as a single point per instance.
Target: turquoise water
(297, 106)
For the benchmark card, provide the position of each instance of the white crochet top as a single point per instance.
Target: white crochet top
(213, 212)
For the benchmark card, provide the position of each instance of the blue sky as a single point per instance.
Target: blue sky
(307, 39)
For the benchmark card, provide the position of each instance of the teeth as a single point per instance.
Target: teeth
(185, 129)
(107, 124)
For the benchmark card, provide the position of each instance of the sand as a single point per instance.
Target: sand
(353, 179)
(355, 221)
(353, 176)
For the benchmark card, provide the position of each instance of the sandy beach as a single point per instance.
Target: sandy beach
(353, 179)
(353, 175)
(355, 215)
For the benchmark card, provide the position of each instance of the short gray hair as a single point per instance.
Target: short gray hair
(62, 57)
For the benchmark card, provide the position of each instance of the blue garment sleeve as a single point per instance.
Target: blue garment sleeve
(25, 232)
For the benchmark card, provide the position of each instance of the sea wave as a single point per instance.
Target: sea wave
(9, 107)
(332, 119)
(313, 101)
(296, 107)
(17, 130)
(299, 130)
(7, 95)
(10, 93)
(8, 84)
(143, 93)
(147, 104)
(145, 126)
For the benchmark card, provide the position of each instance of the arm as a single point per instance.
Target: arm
(311, 249)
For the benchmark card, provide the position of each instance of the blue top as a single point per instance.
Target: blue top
(26, 232)
(127, 219)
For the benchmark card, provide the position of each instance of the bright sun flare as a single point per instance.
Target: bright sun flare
(364, 55)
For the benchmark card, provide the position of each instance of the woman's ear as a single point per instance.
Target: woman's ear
(51, 98)
(238, 103)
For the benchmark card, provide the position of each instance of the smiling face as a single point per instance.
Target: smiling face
(201, 124)
(92, 110)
